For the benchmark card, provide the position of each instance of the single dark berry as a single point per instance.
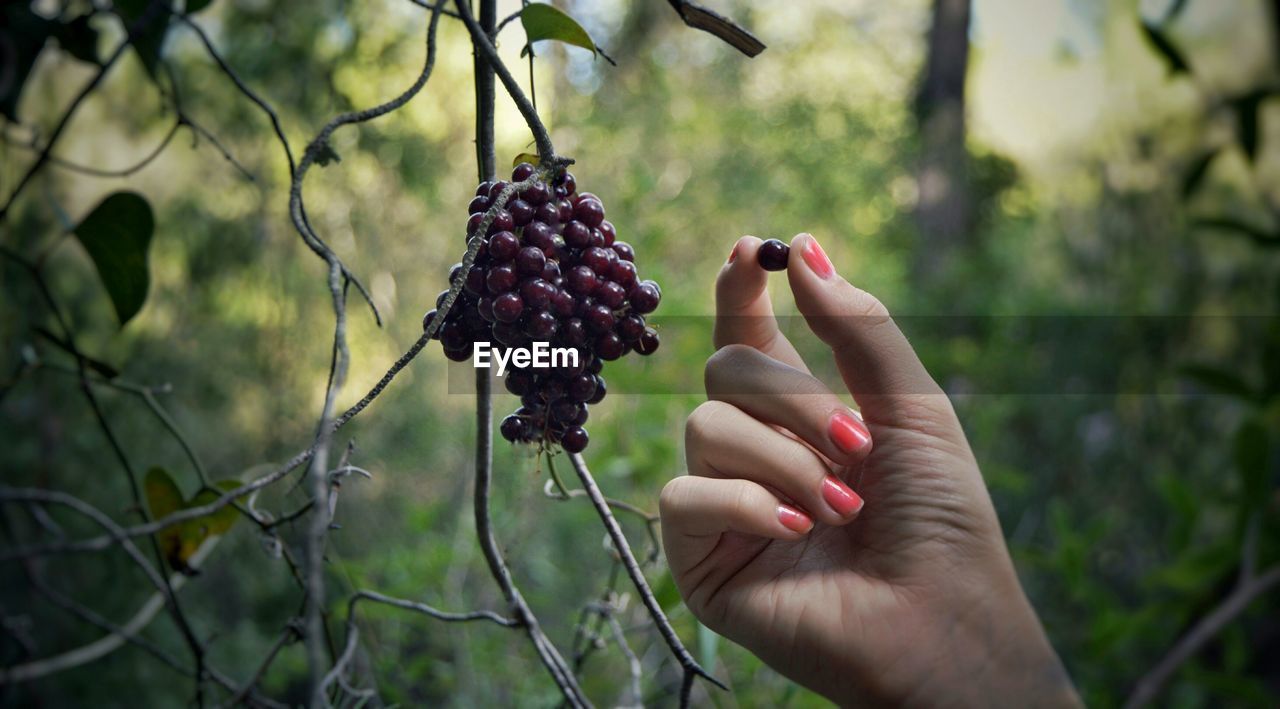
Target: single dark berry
(601, 390)
(503, 246)
(483, 189)
(609, 346)
(648, 342)
(645, 297)
(428, 319)
(484, 306)
(610, 234)
(562, 304)
(624, 251)
(519, 381)
(611, 294)
(475, 283)
(479, 204)
(460, 354)
(773, 255)
(630, 328)
(539, 235)
(521, 212)
(577, 234)
(541, 326)
(596, 259)
(501, 279)
(582, 387)
(582, 280)
(548, 213)
(508, 334)
(599, 318)
(496, 189)
(530, 260)
(623, 273)
(574, 332)
(513, 428)
(566, 181)
(473, 223)
(574, 440)
(537, 195)
(536, 293)
(502, 221)
(522, 172)
(550, 271)
(508, 307)
(566, 210)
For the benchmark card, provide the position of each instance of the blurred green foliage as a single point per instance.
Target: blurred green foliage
(1125, 506)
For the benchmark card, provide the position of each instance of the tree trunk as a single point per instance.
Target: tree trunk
(944, 215)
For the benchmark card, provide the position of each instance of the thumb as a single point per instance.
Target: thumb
(879, 366)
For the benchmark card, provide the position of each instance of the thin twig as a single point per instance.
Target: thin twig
(119, 172)
(690, 666)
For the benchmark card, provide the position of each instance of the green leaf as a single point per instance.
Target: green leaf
(147, 21)
(117, 235)
(543, 21)
(1218, 380)
(79, 39)
(530, 158)
(162, 493)
(22, 36)
(1161, 43)
(708, 647)
(1195, 176)
(222, 520)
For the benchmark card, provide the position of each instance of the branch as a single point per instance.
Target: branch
(480, 39)
(44, 155)
(116, 638)
(690, 666)
(120, 172)
(1245, 592)
(700, 18)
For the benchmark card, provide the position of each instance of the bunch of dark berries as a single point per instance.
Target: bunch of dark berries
(549, 268)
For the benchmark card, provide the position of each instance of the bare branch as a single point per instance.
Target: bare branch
(1150, 685)
(690, 666)
(700, 18)
(120, 172)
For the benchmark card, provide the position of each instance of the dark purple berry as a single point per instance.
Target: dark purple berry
(566, 181)
(537, 195)
(428, 319)
(599, 318)
(502, 221)
(541, 326)
(539, 235)
(503, 246)
(577, 234)
(522, 172)
(548, 213)
(562, 304)
(581, 280)
(521, 211)
(574, 439)
(530, 260)
(648, 342)
(645, 297)
(581, 387)
(536, 293)
(475, 284)
(508, 307)
(479, 204)
(624, 251)
(513, 428)
(609, 346)
(500, 279)
(484, 307)
(574, 332)
(623, 273)
(566, 210)
(496, 189)
(519, 381)
(611, 294)
(550, 271)
(473, 224)
(596, 259)
(610, 234)
(483, 189)
(773, 255)
(630, 328)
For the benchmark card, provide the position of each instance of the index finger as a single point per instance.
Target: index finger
(744, 315)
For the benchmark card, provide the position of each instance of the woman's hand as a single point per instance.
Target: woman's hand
(908, 598)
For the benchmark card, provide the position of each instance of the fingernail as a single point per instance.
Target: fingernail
(794, 519)
(817, 258)
(843, 500)
(848, 433)
(733, 254)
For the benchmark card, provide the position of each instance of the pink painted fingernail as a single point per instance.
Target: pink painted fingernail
(817, 258)
(794, 519)
(848, 433)
(842, 499)
(734, 253)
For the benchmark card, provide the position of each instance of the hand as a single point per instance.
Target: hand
(910, 598)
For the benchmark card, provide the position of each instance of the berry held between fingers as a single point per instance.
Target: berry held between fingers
(773, 255)
(549, 268)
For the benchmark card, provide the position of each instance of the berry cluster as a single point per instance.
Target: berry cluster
(549, 269)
